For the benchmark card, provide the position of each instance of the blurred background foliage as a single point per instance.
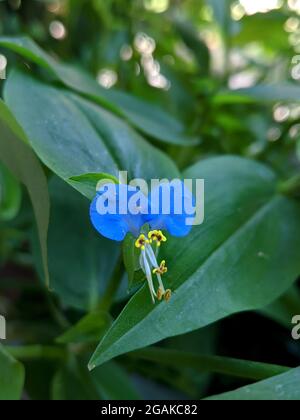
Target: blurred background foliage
(183, 55)
(229, 71)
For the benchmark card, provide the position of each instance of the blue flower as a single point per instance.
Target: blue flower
(119, 209)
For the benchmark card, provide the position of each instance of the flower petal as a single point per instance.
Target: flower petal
(111, 226)
(110, 213)
(175, 205)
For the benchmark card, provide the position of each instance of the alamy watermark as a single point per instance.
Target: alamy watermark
(296, 329)
(2, 328)
(3, 65)
(177, 197)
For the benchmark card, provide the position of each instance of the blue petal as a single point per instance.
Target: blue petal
(175, 224)
(110, 226)
(114, 225)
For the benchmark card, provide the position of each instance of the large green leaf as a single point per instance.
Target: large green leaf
(58, 132)
(283, 387)
(11, 378)
(22, 162)
(73, 136)
(128, 148)
(150, 119)
(245, 255)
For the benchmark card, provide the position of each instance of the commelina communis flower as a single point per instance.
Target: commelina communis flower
(115, 212)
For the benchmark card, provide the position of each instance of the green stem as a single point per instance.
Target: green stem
(112, 287)
(37, 352)
(291, 186)
(222, 365)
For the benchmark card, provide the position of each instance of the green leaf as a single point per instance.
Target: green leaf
(12, 377)
(88, 182)
(28, 49)
(244, 256)
(80, 260)
(150, 119)
(22, 162)
(205, 363)
(129, 150)
(10, 195)
(11, 122)
(88, 330)
(73, 136)
(284, 387)
(58, 132)
(272, 93)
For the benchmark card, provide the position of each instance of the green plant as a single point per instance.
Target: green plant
(176, 112)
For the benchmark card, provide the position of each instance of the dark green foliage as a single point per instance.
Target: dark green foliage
(160, 89)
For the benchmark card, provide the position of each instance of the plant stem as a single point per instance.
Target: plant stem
(222, 365)
(37, 352)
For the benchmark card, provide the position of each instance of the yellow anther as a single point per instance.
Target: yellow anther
(160, 294)
(167, 295)
(157, 236)
(162, 269)
(141, 242)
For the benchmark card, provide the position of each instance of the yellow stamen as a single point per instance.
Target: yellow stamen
(141, 242)
(159, 294)
(156, 236)
(162, 269)
(168, 295)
